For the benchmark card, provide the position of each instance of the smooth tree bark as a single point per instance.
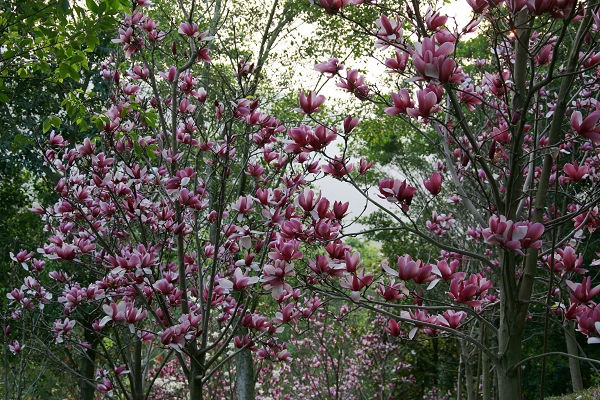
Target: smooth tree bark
(245, 377)
(574, 365)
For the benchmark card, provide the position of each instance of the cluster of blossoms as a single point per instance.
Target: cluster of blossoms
(352, 359)
(436, 73)
(191, 213)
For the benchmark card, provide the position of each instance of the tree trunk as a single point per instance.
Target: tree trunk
(244, 375)
(137, 384)
(86, 382)
(509, 377)
(485, 376)
(468, 372)
(87, 385)
(458, 379)
(574, 368)
(436, 368)
(195, 380)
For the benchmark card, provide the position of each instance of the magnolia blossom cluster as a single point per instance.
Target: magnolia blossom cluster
(365, 360)
(478, 157)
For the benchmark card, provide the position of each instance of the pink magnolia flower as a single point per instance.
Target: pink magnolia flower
(286, 314)
(440, 223)
(575, 172)
(286, 250)
(56, 140)
(274, 277)
(322, 266)
(434, 20)
(330, 67)
(240, 280)
(587, 127)
(398, 63)
(364, 165)
(243, 341)
(169, 75)
(427, 104)
(392, 291)
(388, 31)
(340, 209)
(409, 269)
(513, 236)
(588, 323)
(432, 62)
(539, 7)
(243, 205)
(22, 257)
(307, 200)
(463, 291)
(61, 328)
(444, 35)
(545, 55)
(337, 167)
(583, 292)
(447, 270)
(402, 102)
(434, 183)
(310, 103)
(350, 123)
(397, 191)
(352, 260)
(15, 347)
(122, 312)
(565, 260)
(452, 319)
(354, 83)
(320, 138)
(188, 29)
(479, 6)
(393, 328)
(356, 282)
(332, 6)
(125, 35)
(469, 97)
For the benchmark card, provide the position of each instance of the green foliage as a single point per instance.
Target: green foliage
(393, 141)
(51, 67)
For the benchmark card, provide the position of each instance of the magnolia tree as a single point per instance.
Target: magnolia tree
(187, 234)
(333, 361)
(174, 240)
(515, 134)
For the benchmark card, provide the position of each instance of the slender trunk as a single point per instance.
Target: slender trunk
(468, 372)
(136, 373)
(88, 366)
(574, 368)
(195, 381)
(436, 376)
(5, 364)
(459, 379)
(244, 369)
(509, 378)
(485, 368)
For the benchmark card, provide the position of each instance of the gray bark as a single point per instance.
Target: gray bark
(574, 367)
(244, 375)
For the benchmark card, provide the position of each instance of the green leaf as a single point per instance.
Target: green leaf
(92, 6)
(55, 121)
(46, 125)
(91, 41)
(67, 70)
